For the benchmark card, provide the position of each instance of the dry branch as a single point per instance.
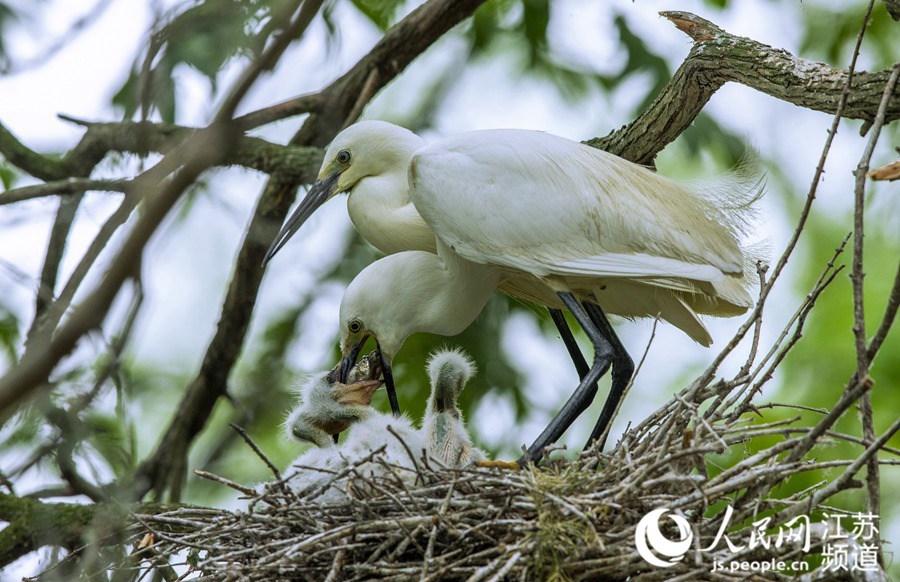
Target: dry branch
(568, 518)
(718, 57)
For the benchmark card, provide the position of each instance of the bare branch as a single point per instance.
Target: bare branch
(201, 151)
(29, 160)
(873, 494)
(718, 57)
(296, 106)
(64, 187)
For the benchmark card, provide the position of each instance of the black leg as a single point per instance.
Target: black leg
(622, 370)
(587, 388)
(565, 333)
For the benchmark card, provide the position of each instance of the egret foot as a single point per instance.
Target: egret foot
(498, 464)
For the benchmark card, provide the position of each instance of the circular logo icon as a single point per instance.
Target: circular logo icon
(651, 543)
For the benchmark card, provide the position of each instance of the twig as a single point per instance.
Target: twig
(256, 450)
(65, 187)
(873, 494)
(226, 482)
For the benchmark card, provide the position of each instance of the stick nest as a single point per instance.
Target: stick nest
(566, 520)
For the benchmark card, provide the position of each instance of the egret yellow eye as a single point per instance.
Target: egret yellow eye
(344, 156)
(355, 326)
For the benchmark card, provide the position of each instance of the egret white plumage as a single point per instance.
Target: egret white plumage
(328, 406)
(552, 219)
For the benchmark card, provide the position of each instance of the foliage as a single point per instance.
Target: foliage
(205, 36)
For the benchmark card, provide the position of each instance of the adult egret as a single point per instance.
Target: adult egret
(571, 225)
(328, 404)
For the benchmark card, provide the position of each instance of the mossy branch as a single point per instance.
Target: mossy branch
(34, 524)
(718, 57)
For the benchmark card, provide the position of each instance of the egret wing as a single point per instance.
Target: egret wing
(546, 205)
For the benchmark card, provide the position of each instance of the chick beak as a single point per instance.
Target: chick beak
(359, 393)
(318, 194)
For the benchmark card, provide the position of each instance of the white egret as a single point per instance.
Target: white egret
(328, 406)
(552, 219)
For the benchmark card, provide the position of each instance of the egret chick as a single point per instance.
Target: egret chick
(328, 404)
(443, 425)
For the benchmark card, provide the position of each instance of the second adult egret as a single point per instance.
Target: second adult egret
(575, 226)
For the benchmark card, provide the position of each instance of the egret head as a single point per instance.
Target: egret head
(365, 149)
(448, 371)
(367, 310)
(388, 301)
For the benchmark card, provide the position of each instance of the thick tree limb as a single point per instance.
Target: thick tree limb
(34, 524)
(141, 138)
(29, 160)
(144, 137)
(718, 57)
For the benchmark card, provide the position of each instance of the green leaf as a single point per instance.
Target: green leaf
(380, 12)
(108, 436)
(9, 334)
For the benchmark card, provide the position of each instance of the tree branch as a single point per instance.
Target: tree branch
(29, 160)
(34, 524)
(204, 149)
(65, 187)
(718, 57)
(863, 364)
(143, 137)
(56, 248)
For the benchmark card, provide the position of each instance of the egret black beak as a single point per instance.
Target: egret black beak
(349, 360)
(318, 194)
(389, 382)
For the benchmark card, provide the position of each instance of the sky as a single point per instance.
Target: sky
(190, 260)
